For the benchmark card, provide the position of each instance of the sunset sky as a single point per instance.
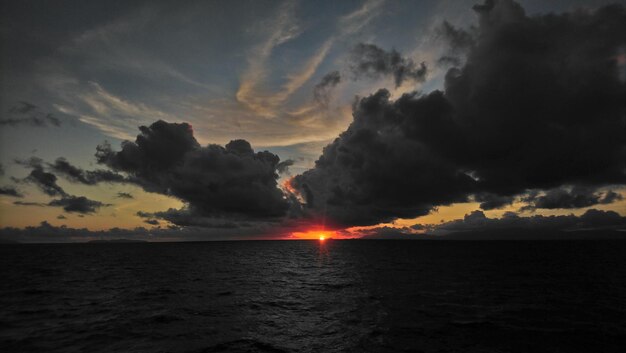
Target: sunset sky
(438, 117)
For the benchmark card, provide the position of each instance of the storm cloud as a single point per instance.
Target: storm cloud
(232, 180)
(371, 61)
(538, 105)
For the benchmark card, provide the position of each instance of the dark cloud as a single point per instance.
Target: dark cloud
(385, 232)
(26, 113)
(45, 232)
(538, 105)
(23, 108)
(88, 177)
(490, 201)
(1, 169)
(143, 214)
(447, 60)
(372, 61)
(458, 39)
(61, 217)
(78, 204)
(593, 224)
(214, 180)
(591, 219)
(27, 203)
(125, 195)
(378, 170)
(575, 197)
(283, 167)
(47, 182)
(322, 90)
(153, 222)
(10, 191)
(187, 217)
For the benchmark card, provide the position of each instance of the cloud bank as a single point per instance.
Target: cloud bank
(593, 224)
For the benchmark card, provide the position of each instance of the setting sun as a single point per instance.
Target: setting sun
(322, 238)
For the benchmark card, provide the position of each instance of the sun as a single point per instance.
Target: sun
(322, 238)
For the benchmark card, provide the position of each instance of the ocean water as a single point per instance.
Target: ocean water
(307, 296)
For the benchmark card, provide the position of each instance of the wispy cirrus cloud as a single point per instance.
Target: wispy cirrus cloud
(271, 103)
(113, 115)
(284, 28)
(357, 20)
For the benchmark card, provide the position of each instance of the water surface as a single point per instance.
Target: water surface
(307, 296)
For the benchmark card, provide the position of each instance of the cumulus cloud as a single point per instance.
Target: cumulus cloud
(538, 105)
(371, 61)
(213, 180)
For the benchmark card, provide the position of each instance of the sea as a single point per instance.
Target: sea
(314, 296)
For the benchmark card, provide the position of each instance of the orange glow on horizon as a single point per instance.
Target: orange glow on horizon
(316, 234)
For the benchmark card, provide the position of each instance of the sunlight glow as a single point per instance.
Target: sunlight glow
(316, 233)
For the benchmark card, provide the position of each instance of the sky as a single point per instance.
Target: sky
(212, 120)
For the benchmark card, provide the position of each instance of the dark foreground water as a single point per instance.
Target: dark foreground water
(275, 296)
